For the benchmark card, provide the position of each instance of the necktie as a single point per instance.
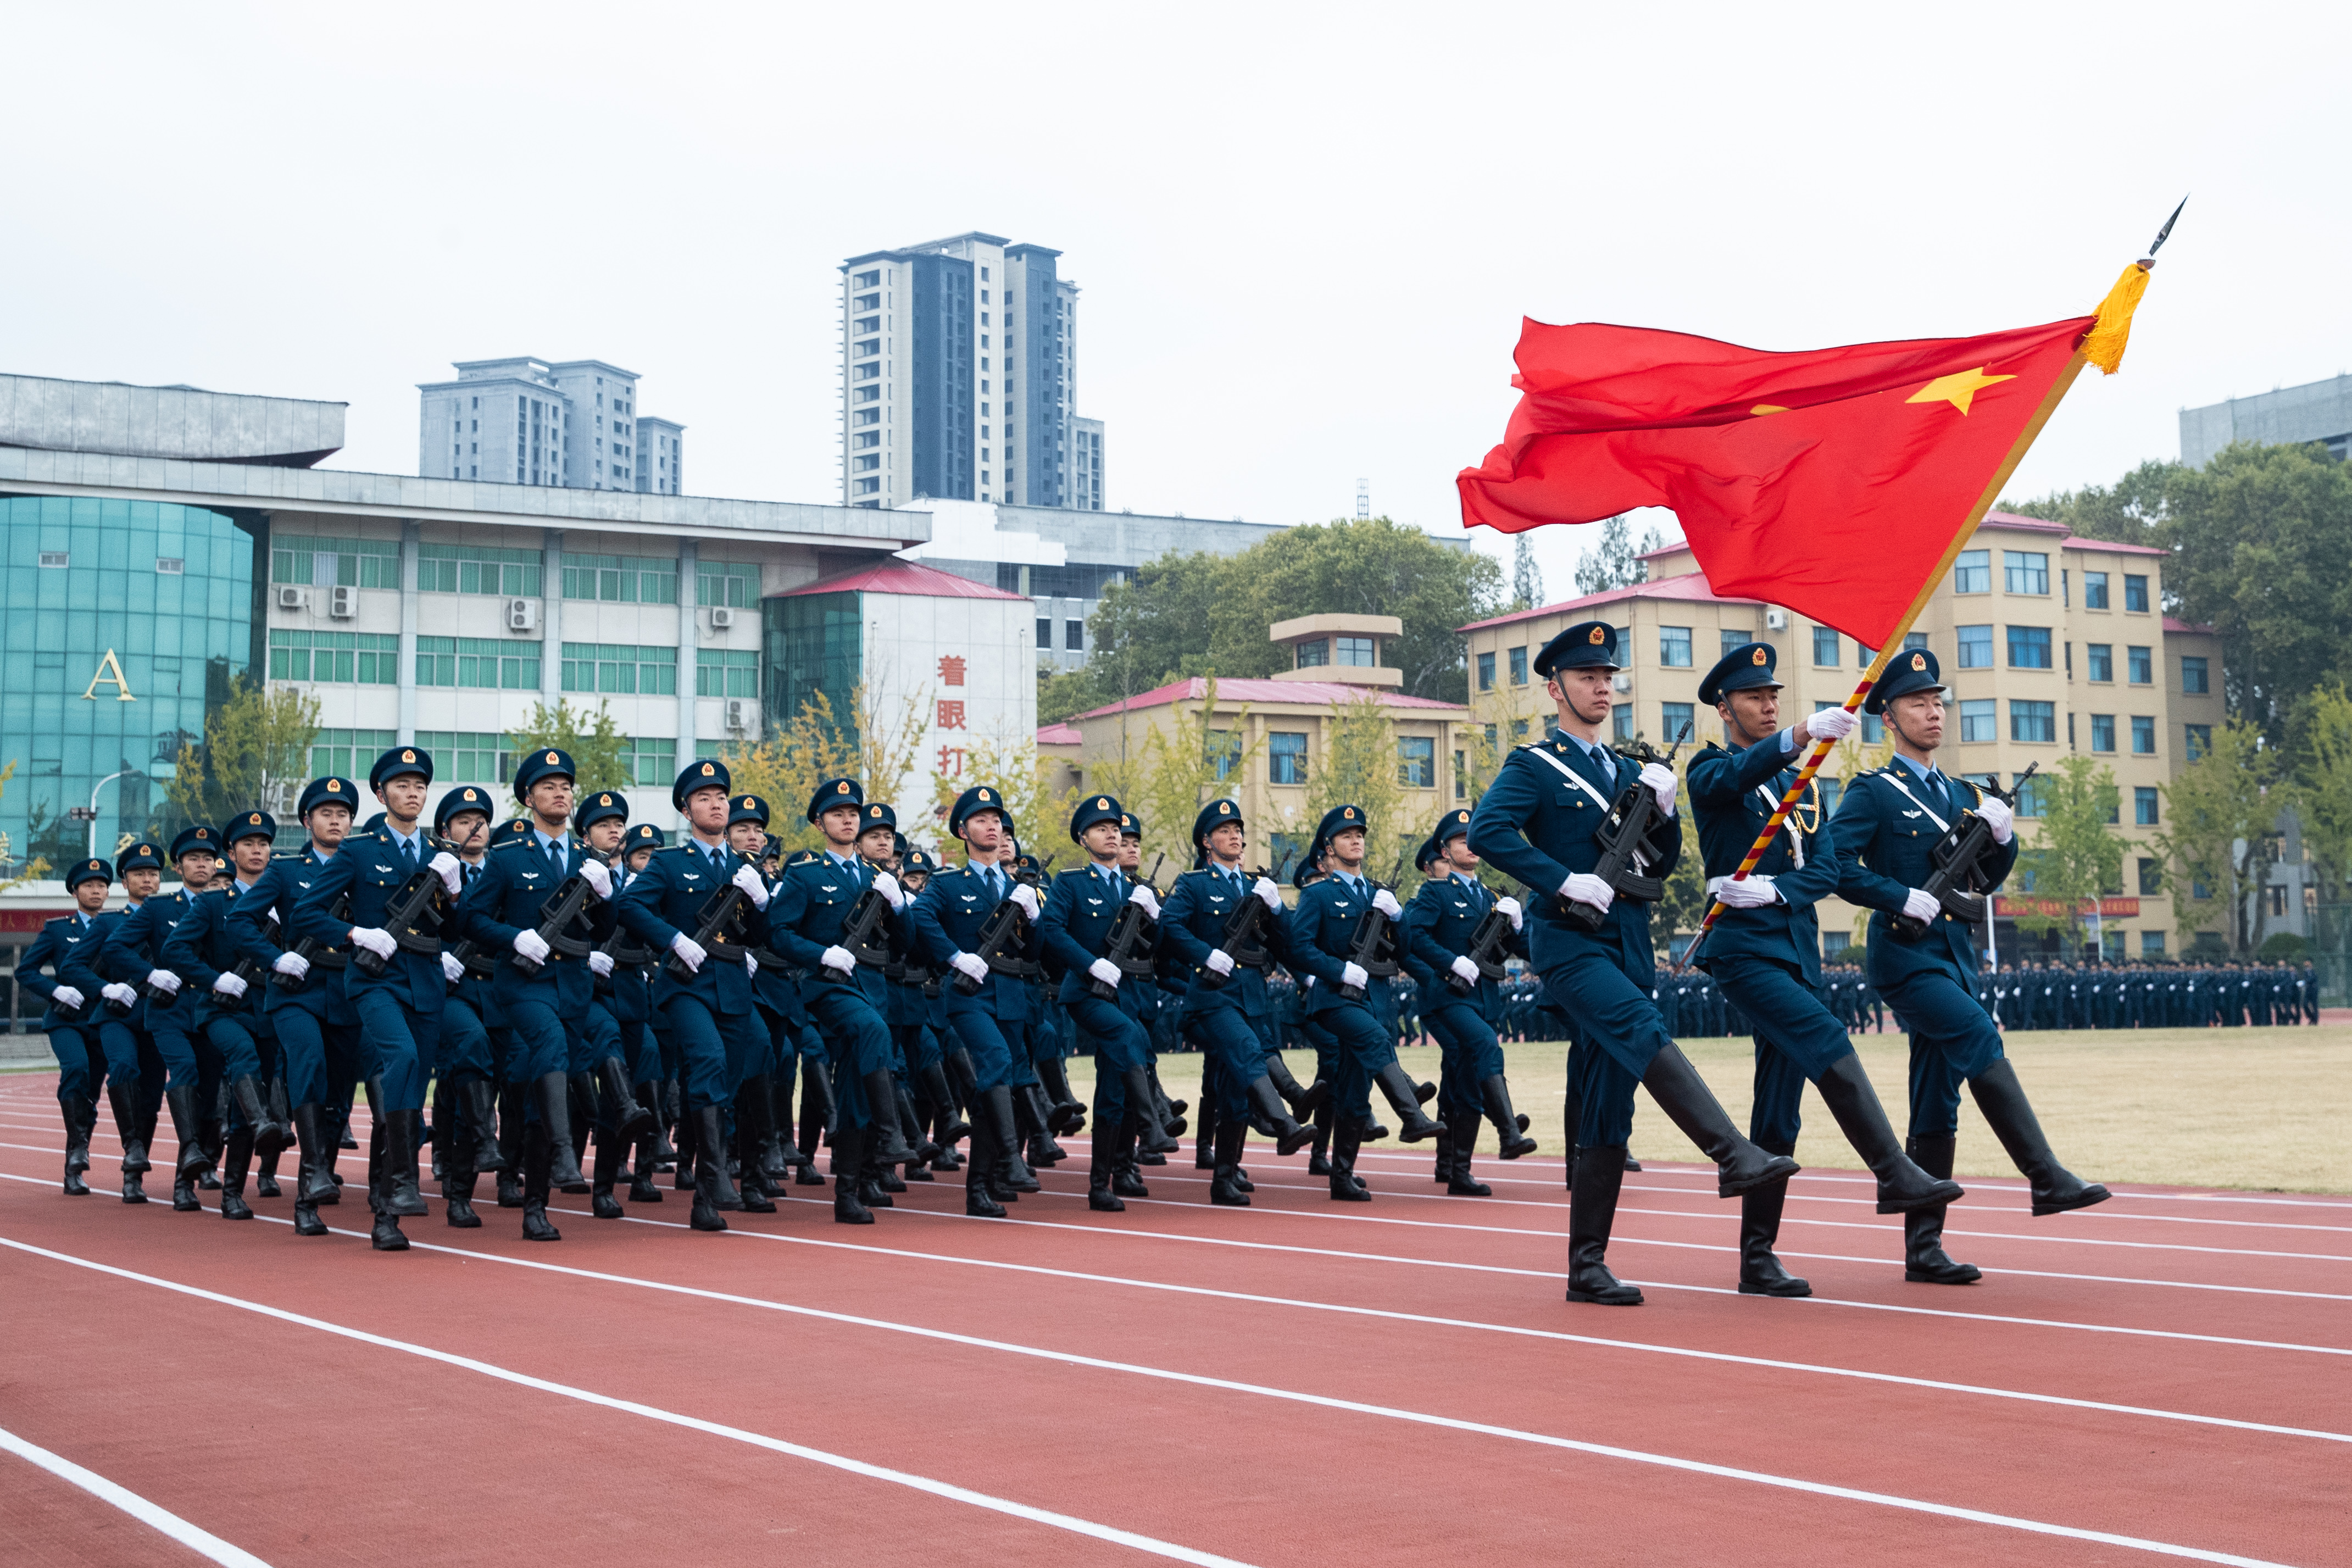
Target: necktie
(995, 883)
(408, 855)
(555, 856)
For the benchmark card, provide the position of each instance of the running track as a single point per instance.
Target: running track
(2168, 1375)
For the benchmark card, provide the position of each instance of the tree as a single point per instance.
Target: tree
(1022, 776)
(2324, 787)
(255, 751)
(784, 767)
(2222, 811)
(1175, 769)
(14, 873)
(1358, 767)
(2132, 513)
(1527, 577)
(2076, 854)
(599, 751)
(1615, 561)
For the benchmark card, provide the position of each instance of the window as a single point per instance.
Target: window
(1874, 729)
(1863, 656)
(1734, 640)
(2138, 667)
(651, 761)
(1285, 757)
(621, 579)
(477, 568)
(1825, 646)
(624, 668)
(487, 664)
(1674, 719)
(2035, 721)
(1972, 571)
(2151, 877)
(2193, 679)
(1224, 751)
(2101, 660)
(867, 281)
(1518, 730)
(2135, 593)
(2033, 796)
(1979, 719)
(1417, 762)
(2094, 590)
(1831, 791)
(465, 756)
(1317, 654)
(1485, 672)
(2102, 731)
(2151, 944)
(1518, 667)
(2025, 572)
(1355, 651)
(721, 672)
(2143, 736)
(1044, 632)
(1976, 648)
(332, 563)
(333, 752)
(1835, 942)
(1621, 723)
(1913, 639)
(1074, 637)
(734, 584)
(1675, 646)
(361, 658)
(2028, 647)
(2144, 806)
(2198, 740)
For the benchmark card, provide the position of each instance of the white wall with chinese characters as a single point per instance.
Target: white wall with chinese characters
(970, 664)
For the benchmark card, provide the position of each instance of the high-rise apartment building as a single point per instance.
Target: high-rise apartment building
(571, 423)
(959, 378)
(2315, 411)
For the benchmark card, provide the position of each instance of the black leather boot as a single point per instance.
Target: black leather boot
(552, 1098)
(1318, 1163)
(632, 1115)
(1230, 1136)
(2011, 1116)
(1064, 1115)
(662, 1098)
(309, 1182)
(601, 1205)
(1510, 1127)
(269, 1133)
(459, 1171)
(1346, 1133)
(687, 1171)
(778, 1152)
(1172, 1111)
(1204, 1126)
(1010, 1177)
(876, 1183)
(888, 1143)
(538, 1181)
(978, 1201)
(209, 1138)
(1302, 1098)
(1037, 1138)
(1760, 1273)
(386, 1143)
(1464, 1140)
(80, 1117)
(191, 1163)
(1404, 1097)
(1102, 1165)
(1903, 1186)
(1690, 1105)
(948, 1129)
(848, 1156)
(440, 1131)
(1144, 1107)
(1592, 1209)
(698, 1145)
(1289, 1136)
(514, 1099)
(581, 1101)
(401, 1128)
(481, 1103)
(1924, 1260)
(236, 1159)
(642, 1189)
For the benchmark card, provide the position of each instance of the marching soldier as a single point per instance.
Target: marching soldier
(133, 955)
(633, 1006)
(1764, 952)
(1886, 830)
(70, 1020)
(472, 1024)
(615, 1074)
(1541, 822)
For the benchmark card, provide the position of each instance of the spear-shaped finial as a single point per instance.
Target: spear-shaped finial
(2161, 235)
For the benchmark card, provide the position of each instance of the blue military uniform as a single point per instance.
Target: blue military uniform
(473, 1027)
(68, 945)
(147, 1041)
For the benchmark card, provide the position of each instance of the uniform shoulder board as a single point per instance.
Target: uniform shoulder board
(505, 844)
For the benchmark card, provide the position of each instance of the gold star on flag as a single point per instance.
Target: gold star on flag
(1959, 390)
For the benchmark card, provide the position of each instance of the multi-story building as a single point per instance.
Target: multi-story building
(571, 423)
(2051, 645)
(958, 378)
(2315, 411)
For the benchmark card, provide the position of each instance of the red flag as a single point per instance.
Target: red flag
(1831, 480)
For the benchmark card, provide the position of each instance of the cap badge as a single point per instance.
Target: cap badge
(1919, 661)
(841, 788)
(255, 819)
(1102, 806)
(334, 785)
(1757, 657)
(1596, 636)
(553, 758)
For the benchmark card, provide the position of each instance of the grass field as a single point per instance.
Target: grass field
(2254, 1109)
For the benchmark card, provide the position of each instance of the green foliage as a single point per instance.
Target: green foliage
(2324, 787)
(2284, 946)
(2076, 854)
(784, 767)
(12, 871)
(1358, 767)
(1685, 904)
(1172, 772)
(1527, 577)
(1614, 560)
(2132, 513)
(256, 750)
(597, 748)
(2222, 811)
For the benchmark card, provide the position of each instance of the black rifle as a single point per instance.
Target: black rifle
(623, 949)
(414, 915)
(1004, 935)
(1622, 836)
(1489, 945)
(1958, 883)
(866, 932)
(1239, 939)
(249, 970)
(720, 916)
(571, 899)
(475, 959)
(308, 949)
(1132, 935)
(1373, 948)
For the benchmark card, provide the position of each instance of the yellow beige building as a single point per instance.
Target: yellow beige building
(2052, 645)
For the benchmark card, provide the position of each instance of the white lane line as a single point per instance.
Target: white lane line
(1197, 1380)
(153, 1515)
(1063, 1521)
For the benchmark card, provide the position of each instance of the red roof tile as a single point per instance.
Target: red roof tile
(1315, 692)
(1690, 585)
(1060, 735)
(2175, 624)
(910, 579)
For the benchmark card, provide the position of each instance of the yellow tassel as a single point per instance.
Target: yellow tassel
(2102, 345)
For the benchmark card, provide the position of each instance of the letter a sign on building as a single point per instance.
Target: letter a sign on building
(110, 672)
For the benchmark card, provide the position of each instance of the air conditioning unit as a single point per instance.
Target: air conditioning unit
(522, 614)
(292, 598)
(342, 604)
(722, 617)
(1623, 681)
(1776, 620)
(738, 713)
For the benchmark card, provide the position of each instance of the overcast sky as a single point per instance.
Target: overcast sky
(1305, 235)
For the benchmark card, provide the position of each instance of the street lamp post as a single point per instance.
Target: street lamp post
(101, 783)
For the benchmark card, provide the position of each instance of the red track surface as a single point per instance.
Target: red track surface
(1298, 1383)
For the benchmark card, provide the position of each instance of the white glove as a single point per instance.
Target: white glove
(599, 964)
(164, 980)
(1385, 901)
(292, 964)
(1026, 897)
(599, 879)
(1752, 891)
(1511, 911)
(839, 958)
(451, 969)
(748, 878)
(445, 866)
(1268, 894)
(1466, 967)
(229, 986)
(1587, 889)
(1104, 970)
(68, 997)
(970, 964)
(119, 993)
(1147, 899)
(1660, 780)
(1999, 817)
(750, 966)
(1921, 905)
(888, 886)
(375, 940)
(1353, 977)
(1830, 723)
(689, 952)
(1220, 961)
(532, 946)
